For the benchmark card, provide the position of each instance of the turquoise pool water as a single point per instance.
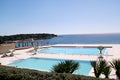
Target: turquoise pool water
(70, 50)
(46, 64)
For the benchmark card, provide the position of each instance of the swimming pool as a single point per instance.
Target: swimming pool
(45, 64)
(70, 50)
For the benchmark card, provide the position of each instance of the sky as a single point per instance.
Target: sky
(59, 16)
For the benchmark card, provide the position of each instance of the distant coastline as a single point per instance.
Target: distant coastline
(4, 39)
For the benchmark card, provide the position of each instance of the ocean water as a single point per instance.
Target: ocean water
(77, 39)
(86, 39)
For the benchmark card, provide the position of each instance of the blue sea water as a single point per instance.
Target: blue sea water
(86, 39)
(79, 39)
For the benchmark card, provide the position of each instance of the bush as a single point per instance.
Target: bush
(12, 73)
(67, 66)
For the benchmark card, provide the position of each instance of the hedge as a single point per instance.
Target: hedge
(13, 73)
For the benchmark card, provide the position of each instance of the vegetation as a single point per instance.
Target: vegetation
(106, 71)
(67, 66)
(101, 67)
(95, 66)
(12, 73)
(25, 36)
(116, 65)
(1, 40)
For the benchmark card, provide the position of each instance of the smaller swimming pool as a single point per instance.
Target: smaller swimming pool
(70, 50)
(46, 64)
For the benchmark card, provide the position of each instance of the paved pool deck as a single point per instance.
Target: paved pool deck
(112, 52)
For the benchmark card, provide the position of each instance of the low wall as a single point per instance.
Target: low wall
(4, 48)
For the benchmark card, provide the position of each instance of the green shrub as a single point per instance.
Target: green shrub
(67, 66)
(12, 73)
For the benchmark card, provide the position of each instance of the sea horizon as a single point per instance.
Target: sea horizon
(87, 34)
(109, 38)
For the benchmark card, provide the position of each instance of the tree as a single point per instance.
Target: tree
(67, 66)
(1, 40)
(100, 67)
(107, 71)
(116, 65)
(95, 66)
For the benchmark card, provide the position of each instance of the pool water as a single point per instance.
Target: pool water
(70, 50)
(46, 64)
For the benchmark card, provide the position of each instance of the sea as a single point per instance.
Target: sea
(86, 39)
(77, 39)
